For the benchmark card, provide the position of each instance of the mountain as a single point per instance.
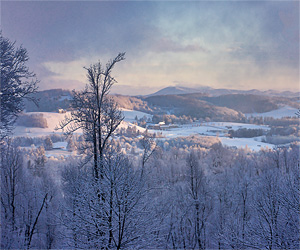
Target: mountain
(189, 102)
(247, 103)
(186, 105)
(175, 91)
(178, 90)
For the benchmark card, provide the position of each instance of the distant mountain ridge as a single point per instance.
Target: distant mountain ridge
(182, 101)
(50, 100)
(178, 90)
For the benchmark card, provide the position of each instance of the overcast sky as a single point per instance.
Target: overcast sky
(221, 44)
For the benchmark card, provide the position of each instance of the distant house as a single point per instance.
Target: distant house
(61, 111)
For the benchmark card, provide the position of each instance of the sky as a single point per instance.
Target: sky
(220, 44)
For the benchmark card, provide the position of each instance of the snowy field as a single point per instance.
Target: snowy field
(219, 129)
(207, 129)
(234, 125)
(53, 120)
(251, 143)
(279, 113)
(130, 115)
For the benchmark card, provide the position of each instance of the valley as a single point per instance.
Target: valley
(169, 116)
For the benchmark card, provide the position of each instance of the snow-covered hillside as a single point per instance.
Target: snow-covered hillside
(279, 113)
(53, 120)
(130, 115)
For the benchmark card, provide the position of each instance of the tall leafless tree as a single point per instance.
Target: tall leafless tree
(94, 112)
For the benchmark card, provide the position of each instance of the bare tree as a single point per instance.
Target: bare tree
(22, 201)
(149, 146)
(94, 112)
(200, 199)
(17, 83)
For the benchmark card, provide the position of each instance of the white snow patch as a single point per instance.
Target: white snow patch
(131, 114)
(53, 120)
(218, 129)
(250, 143)
(125, 124)
(235, 125)
(207, 129)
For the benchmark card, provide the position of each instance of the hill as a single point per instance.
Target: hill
(179, 90)
(244, 103)
(248, 103)
(180, 105)
(174, 91)
(198, 105)
(50, 101)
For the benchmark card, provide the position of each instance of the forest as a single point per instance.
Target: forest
(192, 198)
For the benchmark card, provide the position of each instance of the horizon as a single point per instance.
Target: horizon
(232, 45)
(135, 91)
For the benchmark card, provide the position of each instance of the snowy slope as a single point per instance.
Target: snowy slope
(279, 113)
(131, 114)
(250, 143)
(125, 124)
(53, 120)
(175, 91)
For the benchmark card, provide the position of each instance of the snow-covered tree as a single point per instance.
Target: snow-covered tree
(17, 83)
(24, 202)
(48, 143)
(119, 217)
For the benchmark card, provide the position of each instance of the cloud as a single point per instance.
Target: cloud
(65, 71)
(210, 43)
(259, 55)
(168, 45)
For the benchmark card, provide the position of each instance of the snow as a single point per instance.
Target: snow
(59, 154)
(219, 129)
(278, 113)
(186, 130)
(125, 124)
(235, 125)
(131, 114)
(207, 129)
(250, 143)
(53, 120)
(60, 145)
